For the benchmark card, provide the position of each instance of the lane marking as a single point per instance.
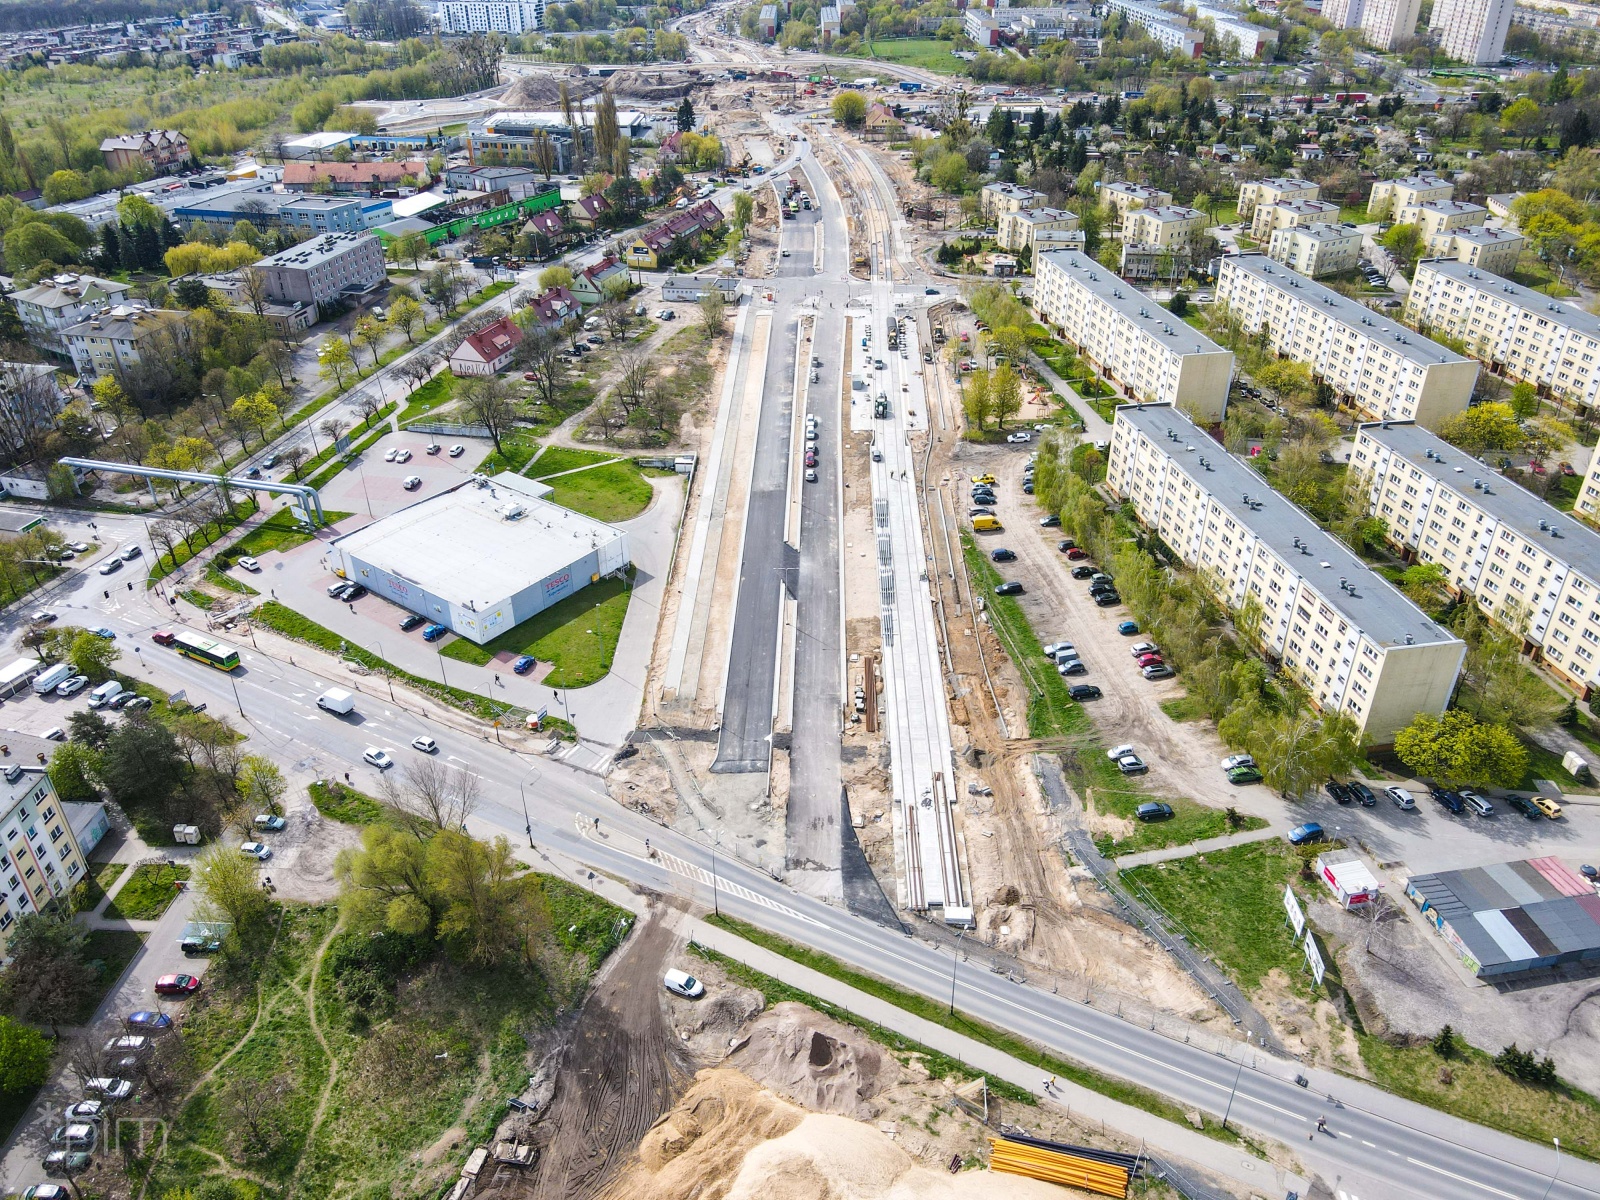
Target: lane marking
(1417, 1162)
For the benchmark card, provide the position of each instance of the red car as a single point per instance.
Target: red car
(1076, 554)
(163, 637)
(177, 985)
(1150, 660)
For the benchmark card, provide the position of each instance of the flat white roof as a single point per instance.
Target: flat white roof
(460, 546)
(319, 141)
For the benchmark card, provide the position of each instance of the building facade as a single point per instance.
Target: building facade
(1169, 227)
(1378, 367)
(1020, 229)
(1316, 250)
(1480, 246)
(998, 199)
(488, 350)
(1271, 217)
(335, 267)
(336, 214)
(1392, 195)
(1433, 217)
(1473, 31)
(41, 860)
(1520, 333)
(47, 308)
(121, 336)
(490, 16)
(1532, 569)
(159, 151)
(1340, 630)
(1138, 345)
(1122, 197)
(1274, 191)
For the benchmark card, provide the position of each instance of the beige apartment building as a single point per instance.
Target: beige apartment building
(1316, 250)
(1271, 217)
(1393, 195)
(1531, 568)
(1131, 340)
(1378, 367)
(1120, 198)
(1340, 629)
(1169, 227)
(1274, 191)
(1495, 250)
(1019, 230)
(39, 856)
(1519, 332)
(997, 199)
(1434, 217)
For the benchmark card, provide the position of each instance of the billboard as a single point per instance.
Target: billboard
(1291, 905)
(1314, 958)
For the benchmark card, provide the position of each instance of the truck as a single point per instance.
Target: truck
(910, 85)
(880, 406)
(47, 681)
(337, 701)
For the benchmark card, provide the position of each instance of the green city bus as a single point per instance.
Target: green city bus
(215, 654)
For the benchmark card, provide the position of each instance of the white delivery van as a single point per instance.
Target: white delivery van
(47, 681)
(338, 701)
(105, 694)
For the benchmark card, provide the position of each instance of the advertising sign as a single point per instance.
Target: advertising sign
(1291, 905)
(1314, 958)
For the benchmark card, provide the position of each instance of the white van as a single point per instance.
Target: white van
(105, 694)
(47, 681)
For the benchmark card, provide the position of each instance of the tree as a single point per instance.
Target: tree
(1404, 243)
(1427, 585)
(744, 209)
(26, 246)
(1484, 428)
(977, 399)
(334, 358)
(142, 765)
(713, 309)
(49, 976)
(261, 784)
(406, 315)
(685, 116)
(1005, 390)
(412, 248)
(1522, 118)
(849, 109)
(1444, 1043)
(294, 458)
(484, 402)
(1524, 400)
(229, 889)
(433, 794)
(93, 655)
(1458, 749)
(24, 1056)
(368, 334)
(949, 173)
(255, 409)
(554, 277)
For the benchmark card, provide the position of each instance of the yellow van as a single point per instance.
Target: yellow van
(986, 524)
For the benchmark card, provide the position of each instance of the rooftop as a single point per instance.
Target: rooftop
(326, 140)
(1569, 540)
(1484, 235)
(1284, 183)
(1010, 189)
(1511, 914)
(124, 322)
(307, 203)
(460, 545)
(1370, 603)
(245, 198)
(1323, 231)
(1515, 293)
(1169, 212)
(1450, 206)
(1130, 302)
(1407, 343)
(1038, 216)
(1417, 181)
(63, 291)
(317, 250)
(11, 793)
(1302, 207)
(1134, 189)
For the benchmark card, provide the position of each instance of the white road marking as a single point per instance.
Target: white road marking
(1417, 1162)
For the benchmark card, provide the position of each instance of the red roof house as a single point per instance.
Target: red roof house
(487, 351)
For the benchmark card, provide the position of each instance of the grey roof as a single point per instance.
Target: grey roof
(1038, 216)
(1376, 607)
(1450, 206)
(125, 323)
(1170, 212)
(1418, 181)
(246, 200)
(1484, 235)
(1516, 507)
(1407, 343)
(316, 250)
(1307, 206)
(1512, 916)
(1282, 183)
(1322, 231)
(1503, 289)
(63, 291)
(326, 203)
(1130, 301)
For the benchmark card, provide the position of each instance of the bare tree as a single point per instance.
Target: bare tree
(713, 311)
(332, 429)
(540, 351)
(253, 289)
(295, 456)
(633, 384)
(256, 1114)
(614, 315)
(29, 402)
(485, 403)
(370, 405)
(419, 368)
(433, 794)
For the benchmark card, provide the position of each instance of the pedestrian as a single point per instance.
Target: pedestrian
(1322, 1124)
(347, 776)
(647, 847)
(497, 680)
(597, 824)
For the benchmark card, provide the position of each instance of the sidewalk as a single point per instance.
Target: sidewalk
(1204, 846)
(1095, 427)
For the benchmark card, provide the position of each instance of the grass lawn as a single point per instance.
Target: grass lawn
(557, 459)
(340, 803)
(437, 391)
(579, 635)
(1546, 764)
(281, 531)
(1231, 904)
(149, 892)
(516, 448)
(931, 54)
(1539, 276)
(1184, 708)
(114, 950)
(92, 889)
(617, 492)
(204, 536)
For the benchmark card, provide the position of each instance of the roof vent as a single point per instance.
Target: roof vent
(1409, 639)
(1543, 525)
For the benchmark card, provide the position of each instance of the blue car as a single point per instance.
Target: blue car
(524, 664)
(1128, 628)
(1309, 832)
(102, 631)
(434, 632)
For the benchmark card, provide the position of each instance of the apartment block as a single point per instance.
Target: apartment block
(1532, 569)
(1134, 342)
(496, 16)
(1473, 31)
(1170, 31)
(1274, 191)
(47, 308)
(1120, 198)
(1249, 41)
(1519, 332)
(1588, 502)
(1378, 367)
(337, 267)
(1271, 217)
(1433, 217)
(1169, 227)
(1340, 630)
(1385, 22)
(121, 336)
(997, 199)
(1316, 250)
(39, 856)
(1480, 246)
(1393, 195)
(1020, 230)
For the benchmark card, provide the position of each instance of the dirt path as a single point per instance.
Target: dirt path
(322, 1040)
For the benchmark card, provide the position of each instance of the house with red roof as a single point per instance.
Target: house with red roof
(587, 210)
(487, 351)
(588, 285)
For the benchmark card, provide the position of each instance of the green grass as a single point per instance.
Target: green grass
(1184, 708)
(556, 459)
(931, 54)
(1231, 904)
(92, 889)
(114, 950)
(1546, 764)
(149, 892)
(217, 577)
(937, 1011)
(578, 635)
(327, 475)
(339, 802)
(439, 390)
(205, 536)
(617, 492)
(281, 531)
(516, 448)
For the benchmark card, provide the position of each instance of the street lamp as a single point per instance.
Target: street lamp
(527, 822)
(1232, 1092)
(1554, 1171)
(955, 958)
(388, 676)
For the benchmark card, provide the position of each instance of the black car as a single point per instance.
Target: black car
(1360, 791)
(1074, 667)
(1082, 572)
(1107, 599)
(411, 622)
(1451, 800)
(983, 496)
(1337, 792)
(1051, 522)
(354, 592)
(1084, 691)
(980, 512)
(1066, 544)
(1096, 589)
(1003, 556)
(1008, 589)
(1524, 806)
(1153, 811)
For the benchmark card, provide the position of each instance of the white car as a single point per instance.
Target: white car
(1117, 752)
(426, 744)
(412, 483)
(1055, 648)
(1237, 760)
(403, 457)
(54, 734)
(1140, 649)
(1403, 799)
(378, 758)
(80, 547)
(1131, 764)
(1021, 435)
(457, 451)
(132, 1043)
(390, 454)
(256, 850)
(681, 983)
(73, 686)
(249, 564)
(85, 1110)
(111, 1089)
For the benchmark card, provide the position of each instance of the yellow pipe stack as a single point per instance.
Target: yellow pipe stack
(1058, 1166)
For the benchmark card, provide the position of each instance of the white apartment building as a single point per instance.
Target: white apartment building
(1271, 217)
(1433, 217)
(1274, 191)
(997, 199)
(490, 16)
(1122, 197)
(1588, 502)
(1385, 22)
(1340, 629)
(1533, 569)
(1169, 227)
(1249, 40)
(1134, 342)
(47, 308)
(1495, 250)
(1393, 195)
(1343, 14)
(1170, 31)
(41, 859)
(1316, 250)
(1380, 368)
(1519, 332)
(1473, 31)
(1019, 230)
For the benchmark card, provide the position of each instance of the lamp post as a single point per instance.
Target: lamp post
(1233, 1091)
(388, 676)
(527, 822)
(1554, 1171)
(955, 959)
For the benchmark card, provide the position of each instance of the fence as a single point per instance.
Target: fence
(447, 429)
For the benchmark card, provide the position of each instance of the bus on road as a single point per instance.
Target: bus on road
(215, 654)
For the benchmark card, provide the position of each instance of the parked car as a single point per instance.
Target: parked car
(66, 1162)
(270, 823)
(1056, 649)
(1084, 691)
(136, 703)
(1051, 522)
(1237, 760)
(71, 687)
(1309, 832)
(46, 1191)
(1003, 555)
(1240, 776)
(411, 622)
(1476, 803)
(1117, 752)
(249, 564)
(1154, 810)
(681, 983)
(1012, 588)
(1107, 599)
(1158, 671)
(985, 477)
(1022, 435)
(412, 483)
(1077, 554)
(177, 985)
(85, 1110)
(1131, 764)
(110, 635)
(1140, 649)
(434, 632)
(1449, 799)
(391, 454)
(108, 1087)
(378, 758)
(1403, 799)
(1151, 660)
(1524, 806)
(1360, 791)
(1337, 792)
(256, 850)
(197, 945)
(79, 1134)
(457, 451)
(1072, 666)
(1128, 628)
(1548, 807)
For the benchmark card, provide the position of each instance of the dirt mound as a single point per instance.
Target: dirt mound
(542, 92)
(708, 1028)
(816, 1062)
(655, 85)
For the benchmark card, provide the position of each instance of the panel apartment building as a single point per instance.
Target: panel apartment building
(1134, 342)
(1341, 630)
(39, 855)
(1532, 568)
(1274, 191)
(1378, 367)
(1473, 31)
(1519, 332)
(1390, 196)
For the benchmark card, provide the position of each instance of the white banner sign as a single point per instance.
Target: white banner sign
(178, 697)
(1314, 958)
(1291, 905)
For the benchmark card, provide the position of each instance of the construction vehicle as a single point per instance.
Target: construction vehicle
(880, 406)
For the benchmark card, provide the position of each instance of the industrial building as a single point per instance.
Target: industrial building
(482, 557)
(1376, 366)
(1514, 917)
(1340, 630)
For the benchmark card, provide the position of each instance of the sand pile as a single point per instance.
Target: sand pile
(542, 92)
(814, 1061)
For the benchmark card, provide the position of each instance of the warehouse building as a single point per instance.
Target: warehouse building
(1378, 367)
(1512, 918)
(1340, 630)
(482, 557)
